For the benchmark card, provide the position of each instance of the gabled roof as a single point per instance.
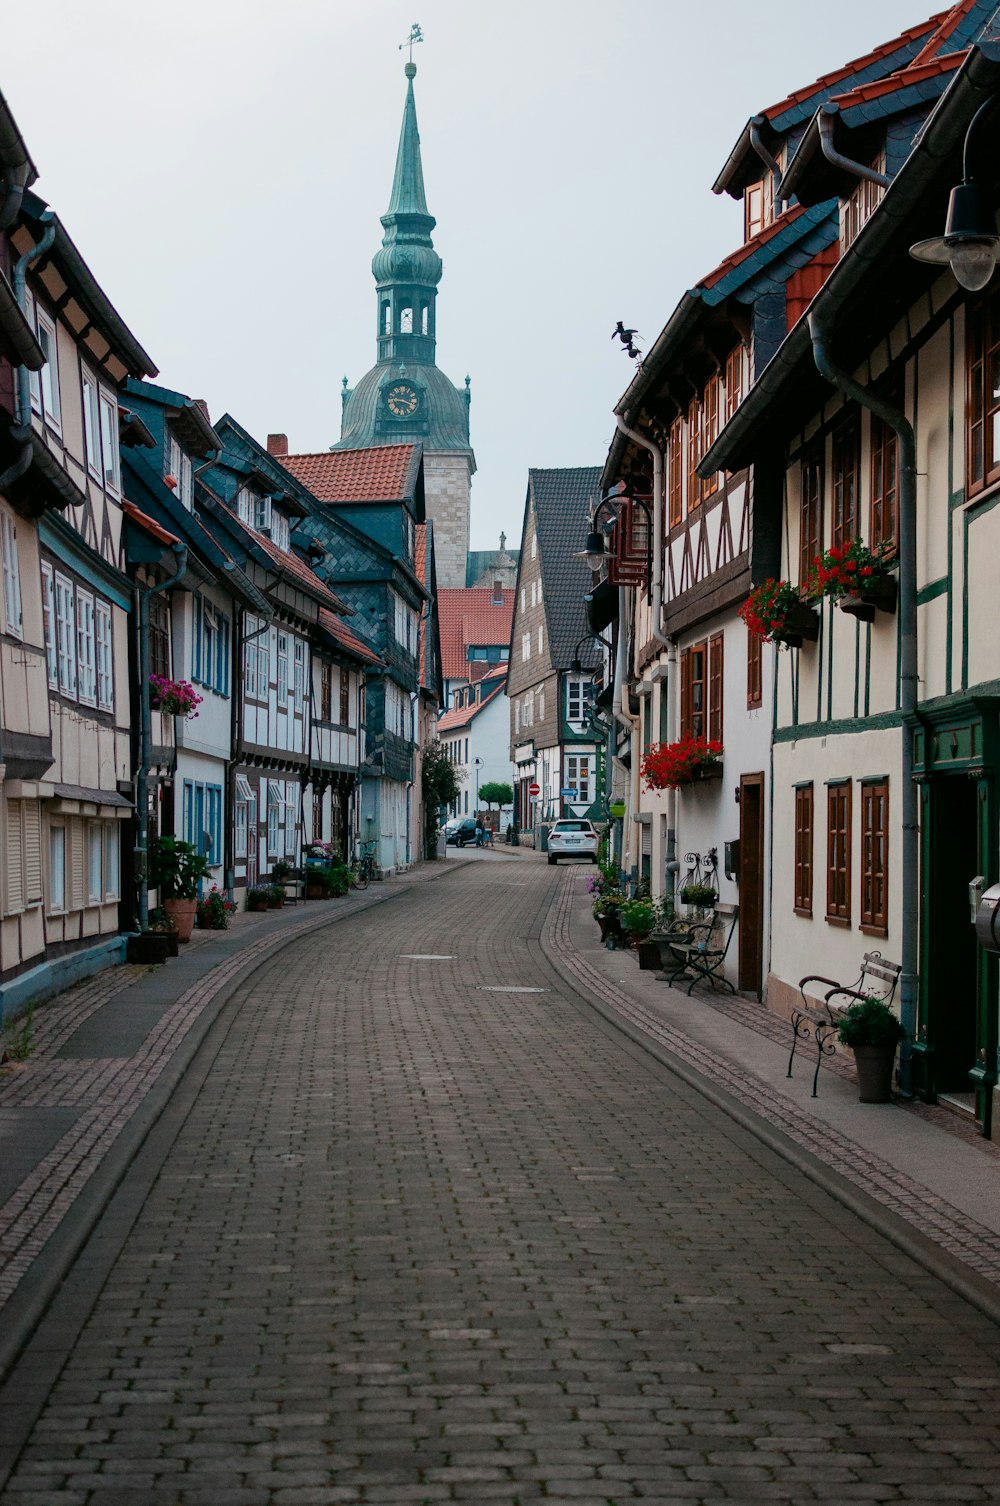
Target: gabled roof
(84, 287)
(743, 164)
(245, 457)
(269, 555)
(147, 524)
(563, 500)
(345, 639)
(462, 717)
(468, 617)
(188, 419)
(386, 473)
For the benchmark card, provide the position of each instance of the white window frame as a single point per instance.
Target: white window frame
(280, 530)
(11, 575)
(261, 513)
(92, 424)
(275, 803)
(526, 646)
(541, 639)
(108, 404)
(95, 863)
(290, 814)
(104, 640)
(299, 674)
(576, 691)
(86, 649)
(57, 869)
(51, 399)
(282, 669)
(66, 635)
(34, 377)
(245, 500)
(49, 624)
(240, 830)
(112, 864)
(541, 703)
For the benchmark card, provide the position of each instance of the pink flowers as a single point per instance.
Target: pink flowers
(175, 697)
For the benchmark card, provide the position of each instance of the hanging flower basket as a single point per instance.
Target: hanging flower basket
(669, 766)
(174, 697)
(775, 612)
(856, 577)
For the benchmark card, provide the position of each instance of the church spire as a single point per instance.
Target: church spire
(407, 269)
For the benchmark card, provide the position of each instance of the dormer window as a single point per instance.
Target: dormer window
(280, 532)
(179, 467)
(857, 210)
(758, 206)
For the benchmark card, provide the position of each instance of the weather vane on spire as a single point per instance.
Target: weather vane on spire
(416, 35)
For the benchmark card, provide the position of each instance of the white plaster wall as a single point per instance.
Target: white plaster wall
(799, 945)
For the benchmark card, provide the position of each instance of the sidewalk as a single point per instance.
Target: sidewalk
(106, 1056)
(924, 1176)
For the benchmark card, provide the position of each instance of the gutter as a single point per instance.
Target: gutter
(820, 331)
(21, 429)
(768, 159)
(146, 728)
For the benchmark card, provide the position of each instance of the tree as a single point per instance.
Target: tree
(494, 793)
(439, 785)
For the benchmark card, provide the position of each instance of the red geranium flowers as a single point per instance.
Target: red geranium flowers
(668, 766)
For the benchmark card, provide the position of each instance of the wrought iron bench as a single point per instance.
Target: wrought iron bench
(701, 954)
(821, 1017)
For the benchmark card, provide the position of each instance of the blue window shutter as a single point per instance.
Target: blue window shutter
(222, 676)
(188, 812)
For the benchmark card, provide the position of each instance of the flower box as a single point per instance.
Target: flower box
(801, 626)
(674, 765)
(775, 612)
(879, 596)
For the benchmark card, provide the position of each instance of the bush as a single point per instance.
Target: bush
(258, 896)
(869, 1022)
(638, 916)
(176, 868)
(213, 911)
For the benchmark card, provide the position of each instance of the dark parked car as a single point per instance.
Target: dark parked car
(460, 830)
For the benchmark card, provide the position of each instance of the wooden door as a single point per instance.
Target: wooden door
(751, 878)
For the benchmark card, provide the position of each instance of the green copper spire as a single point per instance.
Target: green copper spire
(407, 269)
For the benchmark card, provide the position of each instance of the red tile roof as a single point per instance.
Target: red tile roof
(292, 565)
(901, 80)
(465, 714)
(760, 239)
(467, 616)
(798, 96)
(948, 23)
(335, 626)
(375, 475)
(149, 524)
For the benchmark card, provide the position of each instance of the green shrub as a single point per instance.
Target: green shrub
(869, 1022)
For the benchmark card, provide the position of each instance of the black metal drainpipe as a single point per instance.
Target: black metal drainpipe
(900, 424)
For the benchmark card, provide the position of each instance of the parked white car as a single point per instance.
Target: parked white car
(572, 838)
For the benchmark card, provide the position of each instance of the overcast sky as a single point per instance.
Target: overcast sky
(222, 165)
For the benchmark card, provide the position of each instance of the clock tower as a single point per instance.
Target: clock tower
(405, 397)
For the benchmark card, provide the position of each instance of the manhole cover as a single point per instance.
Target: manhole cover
(427, 956)
(509, 988)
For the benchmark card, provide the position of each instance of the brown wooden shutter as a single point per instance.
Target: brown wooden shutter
(838, 853)
(803, 849)
(715, 681)
(686, 693)
(77, 859)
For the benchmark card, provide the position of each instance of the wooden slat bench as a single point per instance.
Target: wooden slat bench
(820, 1017)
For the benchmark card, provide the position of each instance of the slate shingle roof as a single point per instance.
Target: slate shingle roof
(468, 616)
(334, 625)
(383, 474)
(563, 500)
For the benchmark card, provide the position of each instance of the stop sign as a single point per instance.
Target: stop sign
(534, 790)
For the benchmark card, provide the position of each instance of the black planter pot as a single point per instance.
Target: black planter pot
(878, 597)
(150, 947)
(611, 929)
(875, 1064)
(801, 626)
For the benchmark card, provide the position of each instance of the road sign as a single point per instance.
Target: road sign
(534, 790)
(567, 794)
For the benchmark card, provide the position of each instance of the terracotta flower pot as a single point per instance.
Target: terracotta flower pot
(182, 912)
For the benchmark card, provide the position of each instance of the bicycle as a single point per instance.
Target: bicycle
(363, 867)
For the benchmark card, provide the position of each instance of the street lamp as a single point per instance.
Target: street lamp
(478, 763)
(970, 244)
(595, 550)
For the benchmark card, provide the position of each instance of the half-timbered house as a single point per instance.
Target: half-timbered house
(876, 421)
(67, 782)
(553, 655)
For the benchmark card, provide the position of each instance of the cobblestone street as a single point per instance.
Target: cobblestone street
(420, 1225)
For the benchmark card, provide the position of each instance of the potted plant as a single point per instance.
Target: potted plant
(258, 897)
(214, 910)
(162, 924)
(873, 1032)
(685, 762)
(607, 913)
(275, 897)
(280, 871)
(650, 947)
(616, 809)
(857, 578)
(174, 697)
(176, 869)
(698, 896)
(775, 611)
(638, 917)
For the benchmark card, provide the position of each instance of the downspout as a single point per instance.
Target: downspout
(903, 429)
(656, 606)
(21, 430)
(146, 729)
(769, 161)
(626, 719)
(857, 169)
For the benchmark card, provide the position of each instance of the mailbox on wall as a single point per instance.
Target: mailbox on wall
(731, 862)
(988, 920)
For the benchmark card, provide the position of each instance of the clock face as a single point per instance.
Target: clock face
(401, 400)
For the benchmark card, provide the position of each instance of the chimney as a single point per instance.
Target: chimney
(497, 593)
(201, 404)
(277, 444)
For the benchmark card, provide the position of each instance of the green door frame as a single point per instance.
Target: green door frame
(959, 737)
